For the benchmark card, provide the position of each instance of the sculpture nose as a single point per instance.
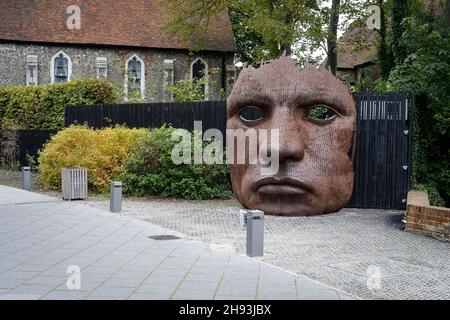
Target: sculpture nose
(291, 136)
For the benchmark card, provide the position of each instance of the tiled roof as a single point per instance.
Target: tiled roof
(103, 22)
(356, 47)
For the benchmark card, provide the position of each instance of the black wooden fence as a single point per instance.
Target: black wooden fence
(383, 141)
(180, 115)
(30, 141)
(26, 143)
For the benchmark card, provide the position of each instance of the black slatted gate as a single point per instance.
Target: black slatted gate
(383, 158)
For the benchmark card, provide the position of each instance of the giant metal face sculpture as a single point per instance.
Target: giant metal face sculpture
(315, 115)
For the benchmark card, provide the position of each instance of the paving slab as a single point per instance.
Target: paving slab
(52, 249)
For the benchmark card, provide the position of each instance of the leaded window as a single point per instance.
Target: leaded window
(134, 76)
(61, 70)
(198, 72)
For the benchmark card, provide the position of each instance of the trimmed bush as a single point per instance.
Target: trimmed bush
(151, 172)
(42, 107)
(102, 151)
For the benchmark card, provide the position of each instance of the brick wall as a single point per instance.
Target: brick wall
(426, 219)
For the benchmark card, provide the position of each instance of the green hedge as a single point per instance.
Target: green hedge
(42, 107)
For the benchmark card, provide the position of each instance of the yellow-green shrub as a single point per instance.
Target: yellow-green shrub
(102, 151)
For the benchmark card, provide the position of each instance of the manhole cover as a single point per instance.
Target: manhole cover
(164, 237)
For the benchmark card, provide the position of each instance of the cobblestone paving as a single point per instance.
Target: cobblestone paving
(346, 250)
(40, 237)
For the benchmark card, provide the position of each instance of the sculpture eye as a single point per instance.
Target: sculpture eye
(251, 114)
(321, 113)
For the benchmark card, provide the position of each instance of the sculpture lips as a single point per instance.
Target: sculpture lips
(286, 186)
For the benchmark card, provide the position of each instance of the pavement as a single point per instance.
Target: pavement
(363, 252)
(54, 249)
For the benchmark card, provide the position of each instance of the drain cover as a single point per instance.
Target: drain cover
(163, 237)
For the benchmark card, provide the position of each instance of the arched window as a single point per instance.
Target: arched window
(61, 68)
(135, 77)
(199, 69)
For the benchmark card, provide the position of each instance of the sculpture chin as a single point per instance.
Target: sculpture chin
(294, 199)
(294, 205)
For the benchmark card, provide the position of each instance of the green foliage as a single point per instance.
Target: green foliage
(391, 49)
(368, 80)
(42, 107)
(263, 29)
(31, 162)
(187, 89)
(150, 171)
(247, 41)
(416, 58)
(191, 89)
(400, 10)
(318, 113)
(102, 152)
(385, 58)
(425, 72)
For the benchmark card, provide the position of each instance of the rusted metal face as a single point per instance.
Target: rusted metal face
(315, 173)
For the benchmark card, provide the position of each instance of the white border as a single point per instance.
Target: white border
(52, 67)
(142, 76)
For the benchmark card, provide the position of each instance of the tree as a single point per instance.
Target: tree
(385, 58)
(425, 72)
(424, 43)
(247, 41)
(274, 25)
(332, 36)
(447, 16)
(264, 29)
(400, 10)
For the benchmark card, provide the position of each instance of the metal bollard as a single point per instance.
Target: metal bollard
(255, 233)
(115, 201)
(26, 178)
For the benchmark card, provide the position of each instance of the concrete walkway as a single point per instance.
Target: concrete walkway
(41, 238)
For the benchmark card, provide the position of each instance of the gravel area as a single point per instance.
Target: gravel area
(346, 250)
(14, 179)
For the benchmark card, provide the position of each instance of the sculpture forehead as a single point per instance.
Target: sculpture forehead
(281, 79)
